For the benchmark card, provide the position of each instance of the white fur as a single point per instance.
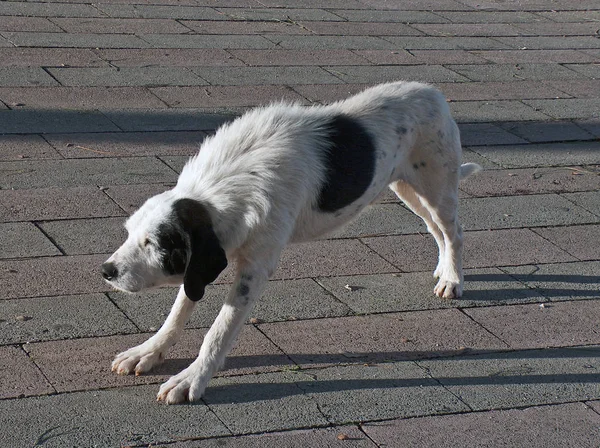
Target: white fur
(261, 176)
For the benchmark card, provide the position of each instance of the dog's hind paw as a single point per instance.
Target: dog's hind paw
(138, 360)
(448, 289)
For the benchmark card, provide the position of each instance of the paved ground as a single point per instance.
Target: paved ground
(101, 103)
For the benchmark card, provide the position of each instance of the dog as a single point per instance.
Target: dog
(280, 174)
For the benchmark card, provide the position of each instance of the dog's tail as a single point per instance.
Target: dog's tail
(466, 169)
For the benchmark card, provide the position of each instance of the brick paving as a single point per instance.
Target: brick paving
(102, 102)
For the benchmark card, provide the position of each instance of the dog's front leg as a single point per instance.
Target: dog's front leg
(189, 385)
(145, 356)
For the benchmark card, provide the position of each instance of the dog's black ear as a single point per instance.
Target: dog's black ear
(206, 257)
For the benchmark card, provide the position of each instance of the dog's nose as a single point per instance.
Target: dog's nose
(109, 270)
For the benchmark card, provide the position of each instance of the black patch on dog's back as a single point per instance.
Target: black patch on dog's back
(349, 163)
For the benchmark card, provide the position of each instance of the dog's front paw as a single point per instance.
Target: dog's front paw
(448, 289)
(187, 385)
(140, 359)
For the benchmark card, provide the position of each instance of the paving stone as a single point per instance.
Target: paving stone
(558, 282)
(40, 121)
(569, 16)
(127, 144)
(273, 399)
(469, 29)
(206, 41)
(31, 24)
(225, 96)
(333, 257)
(512, 72)
(120, 26)
(568, 108)
(53, 276)
(325, 438)
(298, 57)
(382, 219)
(62, 317)
(582, 88)
(446, 43)
(282, 300)
(20, 377)
(548, 426)
(152, 120)
(591, 126)
(473, 157)
(55, 203)
(531, 326)
(551, 131)
(474, 111)
(413, 253)
(520, 378)
(253, 353)
(287, 14)
(470, 91)
(589, 200)
(79, 97)
(174, 57)
(83, 40)
(477, 134)
(37, 57)
(543, 5)
(540, 155)
(532, 56)
(47, 10)
(411, 292)
(447, 57)
(379, 338)
(23, 239)
(330, 42)
(557, 29)
(86, 236)
(244, 27)
(362, 393)
(491, 16)
(265, 75)
(19, 147)
(415, 5)
(328, 93)
(132, 197)
(373, 15)
(80, 172)
(519, 181)
(156, 11)
(127, 76)
(550, 42)
(361, 29)
(521, 211)
(379, 74)
(90, 418)
(574, 239)
(25, 76)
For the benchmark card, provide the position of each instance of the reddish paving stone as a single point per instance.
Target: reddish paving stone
(254, 353)
(171, 57)
(470, 91)
(298, 57)
(19, 147)
(379, 338)
(565, 425)
(19, 376)
(574, 239)
(132, 197)
(51, 276)
(126, 144)
(244, 27)
(120, 26)
(328, 93)
(361, 29)
(484, 248)
(38, 57)
(559, 324)
(447, 57)
(511, 182)
(387, 57)
(55, 203)
(80, 97)
(327, 258)
(543, 56)
(468, 29)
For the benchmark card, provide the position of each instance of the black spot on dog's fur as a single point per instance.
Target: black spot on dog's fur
(349, 162)
(401, 130)
(243, 289)
(416, 166)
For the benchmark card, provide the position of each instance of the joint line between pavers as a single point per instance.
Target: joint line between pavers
(336, 298)
(211, 410)
(360, 428)
(468, 316)
(166, 164)
(104, 192)
(45, 69)
(554, 244)
(21, 346)
(590, 407)
(54, 148)
(381, 256)
(578, 205)
(52, 240)
(107, 295)
(274, 344)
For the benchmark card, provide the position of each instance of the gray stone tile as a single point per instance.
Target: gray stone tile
(90, 418)
(279, 57)
(409, 6)
(521, 211)
(80, 172)
(279, 14)
(157, 11)
(579, 88)
(378, 74)
(120, 26)
(568, 108)
(500, 90)
(477, 134)
(574, 240)
(551, 131)
(413, 291)
(175, 162)
(266, 75)
(274, 400)
(382, 219)
(538, 155)
(39, 57)
(564, 281)
(19, 147)
(520, 378)
(244, 27)
(126, 76)
(132, 197)
(86, 236)
(550, 42)
(379, 338)
(331, 42)
(152, 120)
(55, 203)
(367, 392)
(25, 76)
(446, 43)
(570, 16)
(361, 29)
(591, 126)
(560, 324)
(19, 375)
(38, 121)
(62, 317)
(205, 41)
(23, 239)
(474, 111)
(473, 157)
(589, 200)
(172, 57)
(67, 40)
(543, 56)
(47, 10)
(372, 15)
(543, 426)
(469, 29)
(479, 16)
(512, 72)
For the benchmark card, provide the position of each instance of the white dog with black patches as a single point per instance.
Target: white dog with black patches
(281, 174)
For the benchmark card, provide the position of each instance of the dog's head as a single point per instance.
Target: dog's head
(171, 241)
